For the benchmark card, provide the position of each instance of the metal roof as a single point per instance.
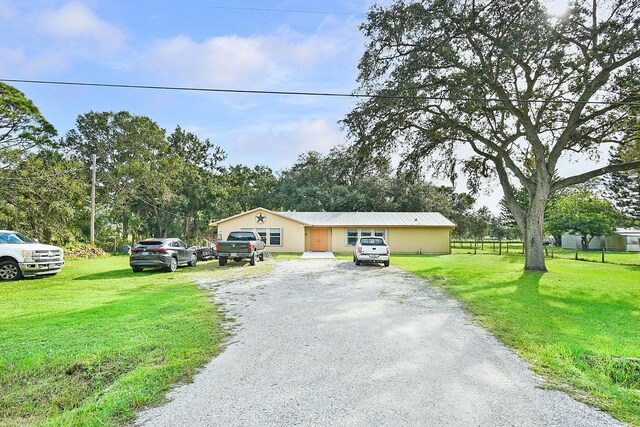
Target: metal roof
(631, 232)
(405, 219)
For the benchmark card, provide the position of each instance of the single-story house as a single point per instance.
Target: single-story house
(622, 240)
(405, 232)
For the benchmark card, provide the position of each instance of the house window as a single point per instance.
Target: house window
(354, 233)
(270, 236)
(275, 236)
(352, 236)
(263, 234)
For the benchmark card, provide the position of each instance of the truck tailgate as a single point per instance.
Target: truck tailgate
(374, 250)
(233, 247)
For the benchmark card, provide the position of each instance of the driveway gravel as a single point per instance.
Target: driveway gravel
(323, 342)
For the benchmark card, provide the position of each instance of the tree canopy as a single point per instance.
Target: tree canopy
(22, 126)
(584, 214)
(623, 187)
(520, 88)
(340, 182)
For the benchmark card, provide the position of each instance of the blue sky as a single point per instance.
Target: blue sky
(193, 43)
(199, 43)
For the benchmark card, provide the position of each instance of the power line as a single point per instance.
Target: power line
(316, 94)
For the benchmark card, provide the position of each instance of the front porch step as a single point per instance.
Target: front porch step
(318, 255)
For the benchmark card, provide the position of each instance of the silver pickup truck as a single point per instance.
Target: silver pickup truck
(241, 245)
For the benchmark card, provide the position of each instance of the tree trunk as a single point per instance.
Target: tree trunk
(533, 236)
(125, 230)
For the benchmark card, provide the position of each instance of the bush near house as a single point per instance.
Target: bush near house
(577, 325)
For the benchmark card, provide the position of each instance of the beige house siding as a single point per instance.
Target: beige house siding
(401, 240)
(339, 240)
(418, 240)
(293, 238)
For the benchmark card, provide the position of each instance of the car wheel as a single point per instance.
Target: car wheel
(261, 256)
(222, 261)
(357, 261)
(9, 270)
(194, 261)
(137, 269)
(386, 263)
(252, 260)
(173, 265)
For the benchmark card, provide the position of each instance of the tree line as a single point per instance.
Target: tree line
(154, 183)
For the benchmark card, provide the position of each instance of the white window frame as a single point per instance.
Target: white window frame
(373, 232)
(346, 235)
(383, 235)
(267, 235)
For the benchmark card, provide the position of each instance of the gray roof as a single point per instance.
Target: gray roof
(416, 219)
(632, 232)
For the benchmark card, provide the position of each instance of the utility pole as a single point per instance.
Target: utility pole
(93, 199)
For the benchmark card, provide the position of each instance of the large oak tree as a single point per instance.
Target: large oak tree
(522, 89)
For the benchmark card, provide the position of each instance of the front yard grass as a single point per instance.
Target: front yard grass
(578, 325)
(95, 343)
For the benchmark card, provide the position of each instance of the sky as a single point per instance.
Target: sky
(297, 45)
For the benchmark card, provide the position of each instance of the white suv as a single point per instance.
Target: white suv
(371, 249)
(21, 256)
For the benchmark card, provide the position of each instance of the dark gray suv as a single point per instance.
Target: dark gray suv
(161, 253)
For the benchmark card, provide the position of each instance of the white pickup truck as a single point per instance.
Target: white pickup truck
(371, 249)
(21, 256)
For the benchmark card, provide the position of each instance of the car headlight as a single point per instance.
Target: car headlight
(28, 256)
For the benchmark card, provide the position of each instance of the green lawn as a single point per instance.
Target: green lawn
(578, 325)
(95, 343)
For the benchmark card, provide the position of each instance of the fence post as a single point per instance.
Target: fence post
(475, 246)
(507, 246)
(500, 247)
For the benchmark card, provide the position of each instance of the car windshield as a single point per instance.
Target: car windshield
(151, 243)
(243, 237)
(14, 238)
(372, 241)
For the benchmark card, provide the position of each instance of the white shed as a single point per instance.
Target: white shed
(622, 240)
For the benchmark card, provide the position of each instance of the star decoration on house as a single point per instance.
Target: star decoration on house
(261, 218)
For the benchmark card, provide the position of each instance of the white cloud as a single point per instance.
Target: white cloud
(252, 61)
(317, 135)
(217, 60)
(279, 147)
(76, 24)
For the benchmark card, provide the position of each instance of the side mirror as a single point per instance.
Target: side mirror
(36, 240)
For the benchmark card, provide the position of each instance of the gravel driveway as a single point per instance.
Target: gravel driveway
(326, 343)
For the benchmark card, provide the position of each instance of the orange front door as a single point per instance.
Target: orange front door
(319, 239)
